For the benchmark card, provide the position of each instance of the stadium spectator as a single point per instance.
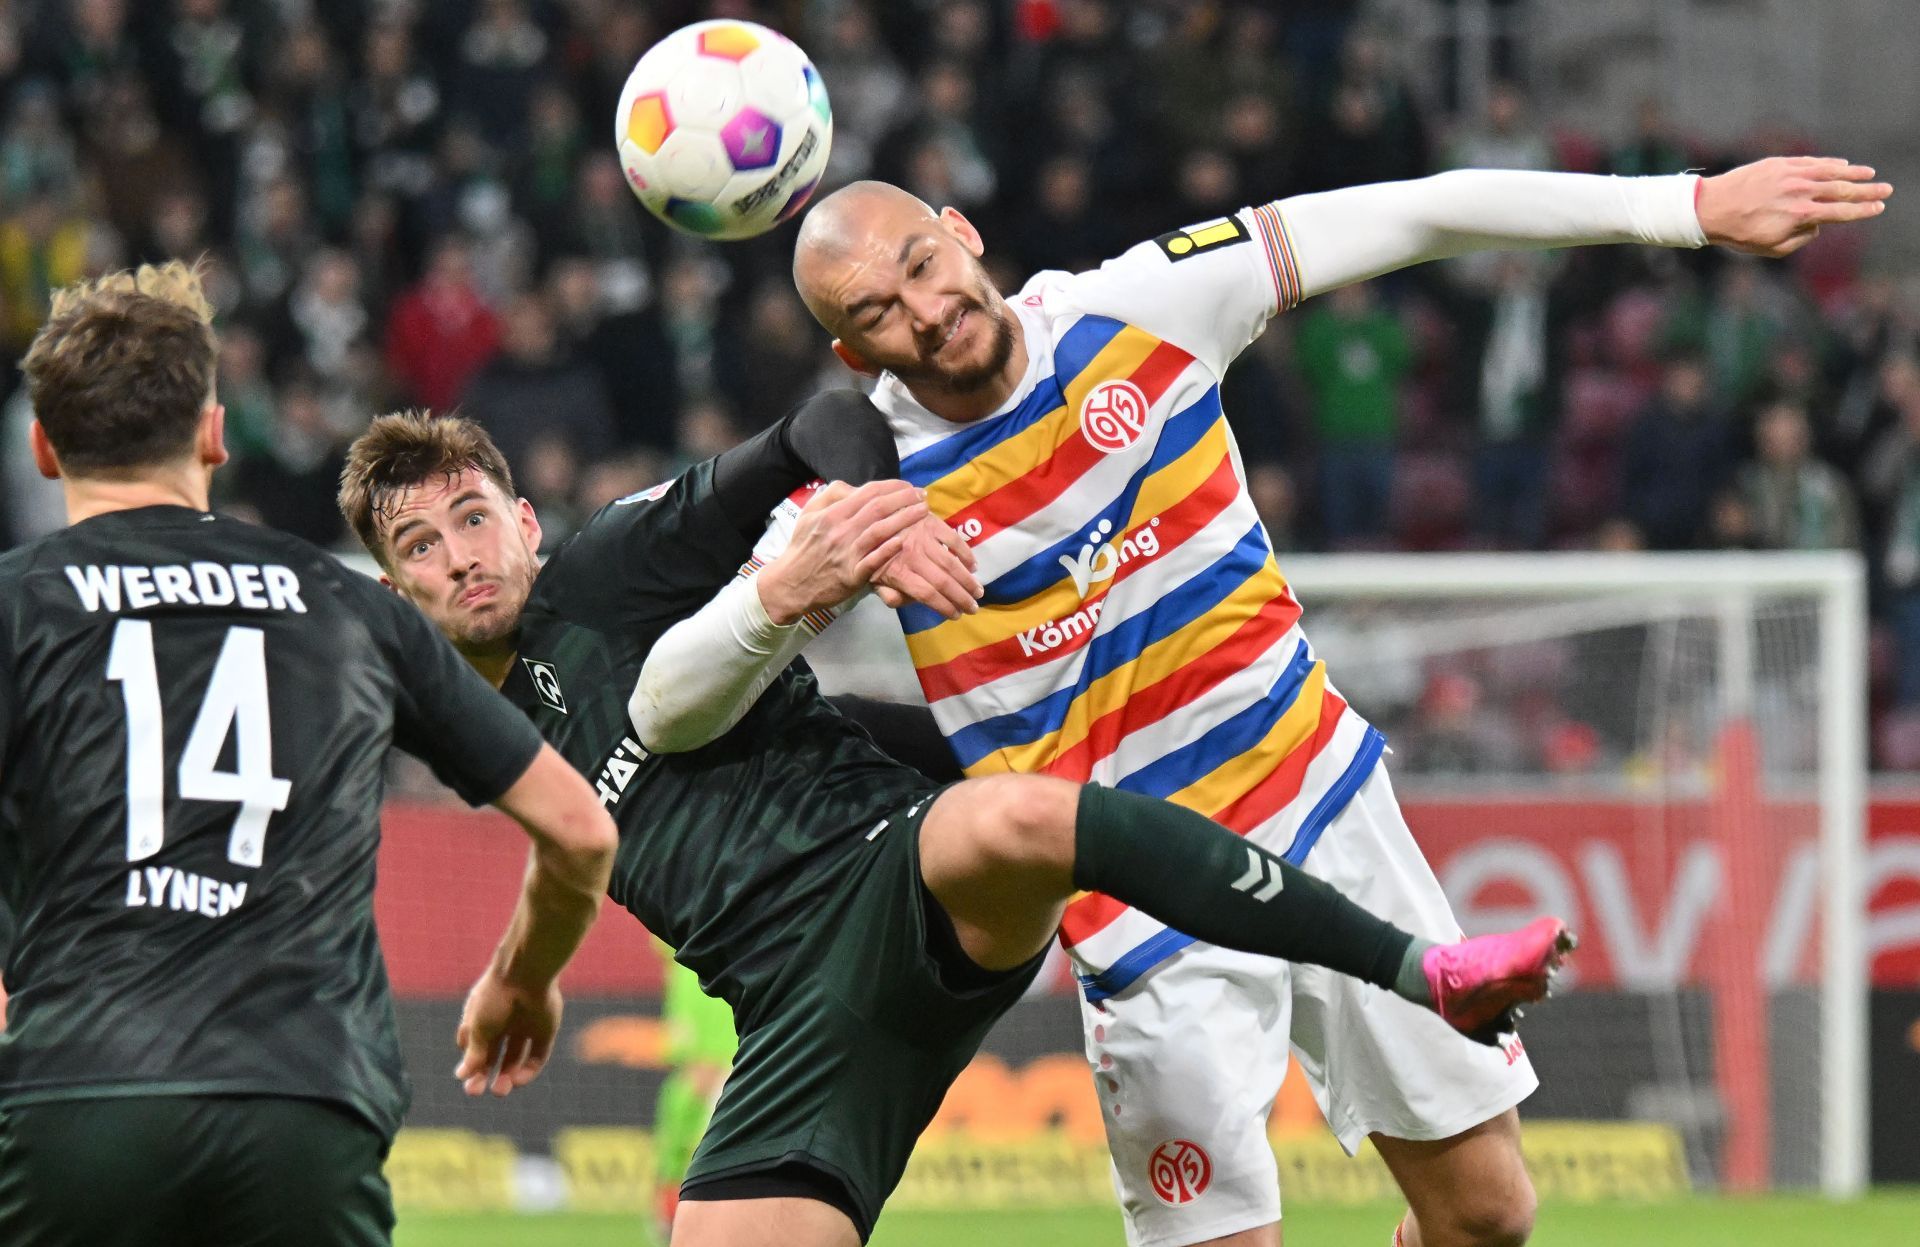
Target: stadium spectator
(43, 246)
(532, 391)
(83, 45)
(869, 90)
(627, 349)
(36, 152)
(395, 111)
(1508, 138)
(774, 360)
(1654, 147)
(134, 159)
(1373, 128)
(1797, 502)
(604, 227)
(1518, 397)
(1353, 353)
(321, 321)
(245, 391)
(497, 70)
(1064, 230)
(1900, 569)
(1677, 454)
(440, 332)
(309, 102)
(291, 485)
(942, 149)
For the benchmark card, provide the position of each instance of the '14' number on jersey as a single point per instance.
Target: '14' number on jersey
(236, 694)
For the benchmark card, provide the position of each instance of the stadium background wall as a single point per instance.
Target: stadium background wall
(1022, 1126)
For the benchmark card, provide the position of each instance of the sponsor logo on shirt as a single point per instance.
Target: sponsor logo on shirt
(1051, 635)
(618, 771)
(546, 682)
(1113, 415)
(1100, 558)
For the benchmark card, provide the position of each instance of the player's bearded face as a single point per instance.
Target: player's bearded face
(466, 556)
(951, 330)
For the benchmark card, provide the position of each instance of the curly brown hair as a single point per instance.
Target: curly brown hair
(405, 449)
(119, 374)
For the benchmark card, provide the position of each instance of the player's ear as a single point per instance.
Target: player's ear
(853, 359)
(529, 523)
(211, 443)
(961, 228)
(47, 463)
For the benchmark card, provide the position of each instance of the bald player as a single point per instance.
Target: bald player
(1136, 632)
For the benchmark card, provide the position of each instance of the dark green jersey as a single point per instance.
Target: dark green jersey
(724, 850)
(194, 716)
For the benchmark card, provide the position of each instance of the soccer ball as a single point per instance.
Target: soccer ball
(723, 129)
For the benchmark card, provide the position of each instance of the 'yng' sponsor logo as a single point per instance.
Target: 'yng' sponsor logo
(1100, 559)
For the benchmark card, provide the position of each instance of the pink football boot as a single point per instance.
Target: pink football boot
(1476, 983)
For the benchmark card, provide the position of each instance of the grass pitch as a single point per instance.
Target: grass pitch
(1885, 1219)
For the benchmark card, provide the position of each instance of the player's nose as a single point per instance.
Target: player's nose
(929, 311)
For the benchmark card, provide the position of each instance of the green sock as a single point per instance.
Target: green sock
(1201, 879)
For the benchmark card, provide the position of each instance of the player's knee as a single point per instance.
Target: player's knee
(1500, 1215)
(1024, 824)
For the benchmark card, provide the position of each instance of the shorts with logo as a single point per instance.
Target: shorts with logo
(162, 1170)
(855, 1043)
(1189, 1058)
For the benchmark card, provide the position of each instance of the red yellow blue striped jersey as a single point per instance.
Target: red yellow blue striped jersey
(1136, 630)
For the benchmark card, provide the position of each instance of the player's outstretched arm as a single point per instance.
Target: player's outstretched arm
(513, 1012)
(1771, 207)
(706, 671)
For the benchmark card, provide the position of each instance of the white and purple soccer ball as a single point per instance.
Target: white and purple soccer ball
(723, 129)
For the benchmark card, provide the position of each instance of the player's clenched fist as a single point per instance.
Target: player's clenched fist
(1776, 206)
(506, 1035)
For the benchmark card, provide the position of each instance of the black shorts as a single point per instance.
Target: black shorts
(856, 1043)
(159, 1171)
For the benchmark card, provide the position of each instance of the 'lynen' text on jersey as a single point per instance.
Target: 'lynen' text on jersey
(164, 887)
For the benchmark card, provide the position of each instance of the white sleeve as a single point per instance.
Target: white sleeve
(1210, 288)
(1344, 236)
(704, 673)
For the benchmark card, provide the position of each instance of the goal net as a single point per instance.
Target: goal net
(1666, 750)
(1669, 751)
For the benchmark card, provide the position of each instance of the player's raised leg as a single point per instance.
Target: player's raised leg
(1002, 855)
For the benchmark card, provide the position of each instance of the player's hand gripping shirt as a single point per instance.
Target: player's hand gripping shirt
(1136, 630)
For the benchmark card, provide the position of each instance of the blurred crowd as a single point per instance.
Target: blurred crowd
(417, 202)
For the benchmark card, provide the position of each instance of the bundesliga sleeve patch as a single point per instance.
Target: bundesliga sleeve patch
(1191, 241)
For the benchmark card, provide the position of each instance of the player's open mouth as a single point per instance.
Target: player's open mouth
(952, 333)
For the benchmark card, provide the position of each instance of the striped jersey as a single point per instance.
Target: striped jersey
(1136, 630)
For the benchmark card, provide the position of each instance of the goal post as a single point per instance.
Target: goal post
(1794, 623)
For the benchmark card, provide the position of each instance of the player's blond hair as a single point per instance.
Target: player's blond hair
(119, 374)
(403, 450)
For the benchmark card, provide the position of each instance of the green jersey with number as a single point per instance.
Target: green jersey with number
(194, 718)
(724, 850)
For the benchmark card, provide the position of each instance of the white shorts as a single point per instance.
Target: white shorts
(1189, 1058)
